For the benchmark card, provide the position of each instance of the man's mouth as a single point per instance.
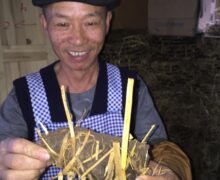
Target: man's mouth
(77, 53)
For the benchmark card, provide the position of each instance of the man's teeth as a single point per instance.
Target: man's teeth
(77, 53)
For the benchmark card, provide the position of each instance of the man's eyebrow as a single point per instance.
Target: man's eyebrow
(60, 15)
(96, 13)
(93, 14)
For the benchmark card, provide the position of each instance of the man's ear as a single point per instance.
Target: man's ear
(108, 21)
(43, 22)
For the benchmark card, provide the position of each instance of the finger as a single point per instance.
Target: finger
(22, 162)
(25, 147)
(15, 175)
(149, 178)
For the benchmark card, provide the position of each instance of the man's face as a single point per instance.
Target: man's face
(77, 32)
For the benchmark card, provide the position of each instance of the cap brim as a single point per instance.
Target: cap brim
(109, 4)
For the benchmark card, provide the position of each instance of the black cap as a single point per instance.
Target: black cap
(109, 4)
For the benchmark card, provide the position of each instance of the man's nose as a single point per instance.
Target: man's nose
(77, 36)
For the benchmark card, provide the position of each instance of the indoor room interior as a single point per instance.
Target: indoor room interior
(173, 44)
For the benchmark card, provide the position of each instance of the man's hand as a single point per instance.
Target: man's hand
(159, 172)
(163, 177)
(21, 159)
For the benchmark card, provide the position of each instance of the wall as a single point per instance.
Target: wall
(131, 14)
(23, 48)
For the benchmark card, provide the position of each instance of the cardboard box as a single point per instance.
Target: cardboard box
(172, 17)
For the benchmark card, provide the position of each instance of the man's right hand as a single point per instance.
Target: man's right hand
(21, 159)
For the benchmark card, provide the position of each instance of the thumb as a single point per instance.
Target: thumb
(141, 178)
(25, 147)
(145, 177)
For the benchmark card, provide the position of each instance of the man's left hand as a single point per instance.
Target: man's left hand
(159, 172)
(162, 177)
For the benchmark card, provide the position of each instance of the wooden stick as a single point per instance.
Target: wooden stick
(127, 119)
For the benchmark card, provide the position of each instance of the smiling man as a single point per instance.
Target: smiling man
(77, 30)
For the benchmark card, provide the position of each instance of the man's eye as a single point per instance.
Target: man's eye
(62, 24)
(92, 23)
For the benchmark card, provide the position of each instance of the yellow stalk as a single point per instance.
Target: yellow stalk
(97, 150)
(70, 164)
(70, 175)
(68, 114)
(64, 144)
(148, 133)
(92, 157)
(120, 173)
(97, 163)
(109, 169)
(127, 119)
(45, 143)
(60, 176)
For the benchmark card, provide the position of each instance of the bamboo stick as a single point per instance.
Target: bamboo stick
(127, 119)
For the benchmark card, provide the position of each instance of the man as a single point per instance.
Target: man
(77, 30)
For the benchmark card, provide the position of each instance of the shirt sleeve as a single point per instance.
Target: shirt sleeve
(12, 123)
(147, 116)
